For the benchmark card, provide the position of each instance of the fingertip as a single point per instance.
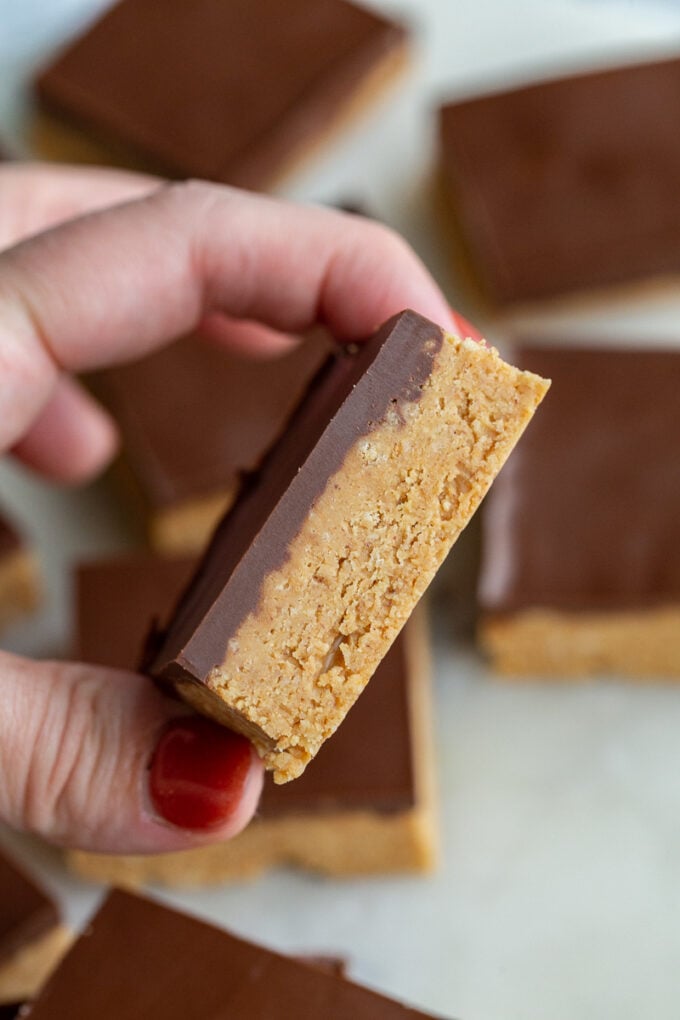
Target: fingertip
(203, 779)
(72, 439)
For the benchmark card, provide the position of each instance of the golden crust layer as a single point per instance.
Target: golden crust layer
(542, 643)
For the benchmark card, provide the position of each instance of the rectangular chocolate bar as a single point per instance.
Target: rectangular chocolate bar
(139, 958)
(567, 185)
(18, 575)
(32, 937)
(310, 577)
(581, 541)
(365, 806)
(193, 420)
(235, 92)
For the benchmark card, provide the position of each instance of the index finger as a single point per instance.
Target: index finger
(116, 284)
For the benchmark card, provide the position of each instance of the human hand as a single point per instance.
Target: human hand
(76, 741)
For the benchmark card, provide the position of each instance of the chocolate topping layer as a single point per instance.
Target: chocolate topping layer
(568, 184)
(366, 765)
(351, 393)
(224, 91)
(586, 514)
(194, 417)
(118, 600)
(9, 538)
(26, 912)
(140, 959)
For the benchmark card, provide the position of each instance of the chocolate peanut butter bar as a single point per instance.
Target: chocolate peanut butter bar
(18, 575)
(32, 938)
(365, 805)
(310, 577)
(193, 419)
(553, 194)
(139, 958)
(236, 92)
(581, 536)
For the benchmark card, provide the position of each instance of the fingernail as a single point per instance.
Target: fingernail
(466, 329)
(198, 773)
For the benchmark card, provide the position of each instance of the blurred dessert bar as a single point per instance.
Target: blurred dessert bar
(366, 804)
(19, 586)
(311, 575)
(139, 958)
(236, 92)
(32, 937)
(566, 186)
(194, 418)
(581, 534)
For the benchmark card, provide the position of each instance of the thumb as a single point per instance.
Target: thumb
(99, 759)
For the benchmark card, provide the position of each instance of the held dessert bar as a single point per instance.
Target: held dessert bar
(581, 536)
(366, 804)
(19, 587)
(32, 938)
(140, 959)
(193, 419)
(236, 92)
(312, 574)
(568, 185)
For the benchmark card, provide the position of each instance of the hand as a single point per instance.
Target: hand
(76, 741)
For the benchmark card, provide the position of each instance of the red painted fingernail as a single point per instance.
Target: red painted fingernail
(466, 328)
(198, 773)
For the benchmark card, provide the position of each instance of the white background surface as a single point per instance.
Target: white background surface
(558, 894)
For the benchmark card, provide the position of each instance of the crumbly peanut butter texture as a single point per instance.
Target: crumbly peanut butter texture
(368, 549)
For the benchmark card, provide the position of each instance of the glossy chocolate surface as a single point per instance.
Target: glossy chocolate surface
(568, 184)
(366, 765)
(140, 959)
(586, 514)
(26, 912)
(350, 394)
(224, 91)
(194, 417)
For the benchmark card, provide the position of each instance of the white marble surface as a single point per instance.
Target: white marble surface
(558, 893)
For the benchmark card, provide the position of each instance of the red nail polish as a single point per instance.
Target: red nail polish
(198, 773)
(466, 328)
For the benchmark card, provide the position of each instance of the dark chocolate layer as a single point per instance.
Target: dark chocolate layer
(26, 912)
(224, 91)
(194, 417)
(586, 514)
(350, 395)
(10, 1010)
(118, 600)
(568, 184)
(366, 765)
(9, 538)
(140, 959)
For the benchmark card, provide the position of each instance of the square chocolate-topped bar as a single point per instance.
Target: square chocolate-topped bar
(193, 419)
(581, 534)
(233, 91)
(366, 804)
(567, 185)
(32, 937)
(312, 574)
(141, 959)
